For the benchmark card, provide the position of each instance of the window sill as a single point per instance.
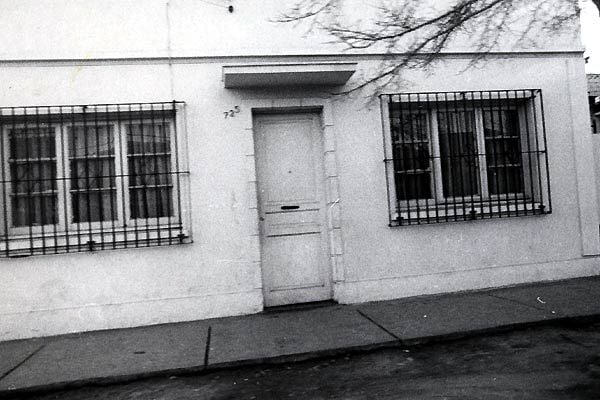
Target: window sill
(59, 243)
(455, 212)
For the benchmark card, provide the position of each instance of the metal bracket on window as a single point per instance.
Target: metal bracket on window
(91, 244)
(473, 214)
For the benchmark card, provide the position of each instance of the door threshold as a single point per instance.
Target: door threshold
(300, 306)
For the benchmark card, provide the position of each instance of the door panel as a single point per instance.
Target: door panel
(289, 161)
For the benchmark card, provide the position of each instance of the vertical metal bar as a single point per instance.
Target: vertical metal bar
(99, 178)
(450, 156)
(516, 175)
(505, 154)
(53, 184)
(495, 155)
(112, 169)
(65, 159)
(145, 177)
(423, 173)
(5, 181)
(87, 191)
(157, 176)
(40, 181)
(14, 188)
(421, 142)
(469, 154)
(385, 149)
(439, 177)
(544, 151)
(505, 160)
(123, 150)
(485, 196)
(411, 158)
(485, 155)
(168, 178)
(400, 170)
(485, 152)
(398, 164)
(28, 180)
(132, 173)
(529, 165)
(480, 173)
(175, 134)
(537, 148)
(74, 177)
(460, 156)
(433, 183)
(504, 107)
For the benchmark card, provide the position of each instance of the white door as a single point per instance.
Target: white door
(293, 227)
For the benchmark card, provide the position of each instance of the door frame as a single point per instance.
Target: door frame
(315, 125)
(323, 108)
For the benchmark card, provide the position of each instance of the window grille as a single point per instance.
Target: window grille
(91, 177)
(456, 156)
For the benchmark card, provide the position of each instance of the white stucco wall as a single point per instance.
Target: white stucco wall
(131, 28)
(219, 273)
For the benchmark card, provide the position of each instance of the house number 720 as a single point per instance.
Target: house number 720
(231, 113)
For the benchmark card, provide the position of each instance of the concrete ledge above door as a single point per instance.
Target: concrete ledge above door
(283, 74)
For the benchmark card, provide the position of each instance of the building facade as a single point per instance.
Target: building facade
(173, 161)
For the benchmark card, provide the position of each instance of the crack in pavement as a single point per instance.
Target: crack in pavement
(383, 328)
(33, 353)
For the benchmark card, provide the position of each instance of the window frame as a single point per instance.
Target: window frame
(173, 167)
(439, 207)
(6, 177)
(77, 236)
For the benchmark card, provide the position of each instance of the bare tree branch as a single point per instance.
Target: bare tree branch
(415, 37)
(597, 4)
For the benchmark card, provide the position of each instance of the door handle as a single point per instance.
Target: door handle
(290, 207)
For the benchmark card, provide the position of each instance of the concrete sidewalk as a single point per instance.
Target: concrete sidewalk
(127, 354)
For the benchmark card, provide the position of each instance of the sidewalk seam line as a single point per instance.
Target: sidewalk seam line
(4, 375)
(517, 302)
(378, 325)
(207, 350)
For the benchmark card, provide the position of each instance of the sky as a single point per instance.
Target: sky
(590, 34)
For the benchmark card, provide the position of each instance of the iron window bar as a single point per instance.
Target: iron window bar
(457, 156)
(91, 177)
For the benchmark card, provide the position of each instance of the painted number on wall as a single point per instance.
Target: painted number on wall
(231, 113)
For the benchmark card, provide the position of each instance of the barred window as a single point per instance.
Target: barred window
(457, 156)
(78, 178)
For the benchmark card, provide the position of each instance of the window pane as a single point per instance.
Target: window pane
(33, 176)
(149, 163)
(149, 170)
(149, 202)
(90, 141)
(92, 166)
(503, 151)
(35, 209)
(32, 143)
(413, 186)
(412, 157)
(458, 152)
(148, 137)
(94, 206)
(92, 174)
